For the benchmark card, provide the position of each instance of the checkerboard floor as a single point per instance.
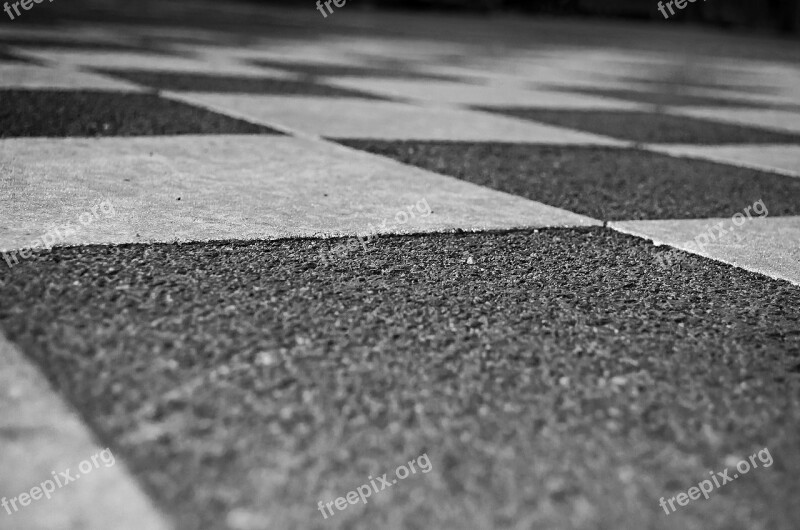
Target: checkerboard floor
(571, 277)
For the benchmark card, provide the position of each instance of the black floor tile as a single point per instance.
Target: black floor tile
(89, 113)
(604, 183)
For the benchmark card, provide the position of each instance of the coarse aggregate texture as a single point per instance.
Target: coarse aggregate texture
(668, 98)
(556, 379)
(651, 127)
(336, 70)
(97, 113)
(189, 82)
(603, 183)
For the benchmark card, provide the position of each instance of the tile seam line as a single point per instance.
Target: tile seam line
(324, 140)
(323, 237)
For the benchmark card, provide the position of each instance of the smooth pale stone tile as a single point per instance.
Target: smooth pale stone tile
(744, 97)
(27, 76)
(243, 54)
(240, 187)
(285, 50)
(40, 435)
(589, 57)
(141, 61)
(580, 61)
(767, 245)
(409, 49)
(583, 66)
(359, 118)
(790, 90)
(783, 159)
(544, 76)
(777, 75)
(779, 120)
(499, 95)
(311, 53)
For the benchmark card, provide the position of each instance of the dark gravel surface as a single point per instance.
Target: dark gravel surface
(88, 113)
(651, 127)
(185, 82)
(604, 183)
(556, 379)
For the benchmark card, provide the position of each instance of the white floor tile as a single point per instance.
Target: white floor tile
(241, 187)
(41, 77)
(742, 96)
(769, 245)
(454, 93)
(783, 159)
(779, 120)
(359, 118)
(42, 435)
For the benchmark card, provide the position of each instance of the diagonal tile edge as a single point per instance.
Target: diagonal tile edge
(708, 153)
(179, 189)
(639, 229)
(39, 435)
